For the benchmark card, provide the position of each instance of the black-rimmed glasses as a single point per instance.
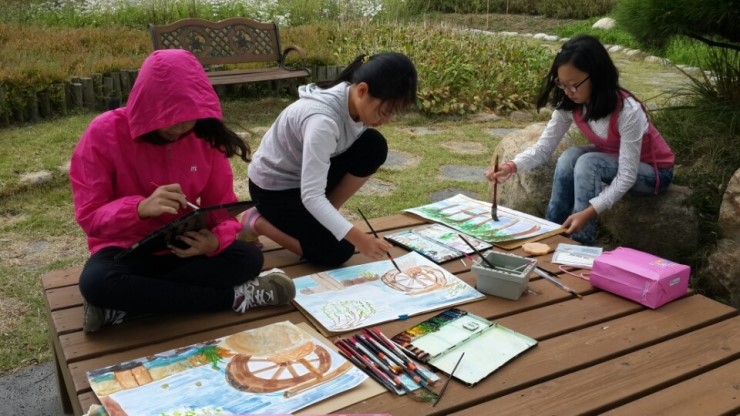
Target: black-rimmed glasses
(571, 88)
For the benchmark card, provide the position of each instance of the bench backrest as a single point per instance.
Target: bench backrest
(230, 41)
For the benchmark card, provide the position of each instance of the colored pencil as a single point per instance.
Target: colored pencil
(475, 250)
(494, 204)
(448, 380)
(376, 236)
(554, 280)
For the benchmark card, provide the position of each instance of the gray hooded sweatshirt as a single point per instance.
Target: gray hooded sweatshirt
(295, 151)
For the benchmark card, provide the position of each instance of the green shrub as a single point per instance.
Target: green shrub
(569, 9)
(491, 72)
(561, 9)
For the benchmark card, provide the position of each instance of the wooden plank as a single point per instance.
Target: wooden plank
(564, 354)
(712, 393)
(59, 278)
(612, 383)
(133, 333)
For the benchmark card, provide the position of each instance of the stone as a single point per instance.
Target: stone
(499, 132)
(464, 148)
(486, 117)
(35, 178)
(376, 187)
(551, 38)
(656, 60)
(400, 160)
(729, 210)
(604, 23)
(521, 116)
(423, 131)
(463, 173)
(723, 269)
(65, 167)
(615, 48)
(539, 36)
(663, 225)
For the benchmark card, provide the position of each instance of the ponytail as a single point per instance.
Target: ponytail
(346, 75)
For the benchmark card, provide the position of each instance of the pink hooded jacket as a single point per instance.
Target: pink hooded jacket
(112, 170)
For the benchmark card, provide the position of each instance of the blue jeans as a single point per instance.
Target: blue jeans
(580, 175)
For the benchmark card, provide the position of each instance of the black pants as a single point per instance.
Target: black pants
(285, 210)
(151, 284)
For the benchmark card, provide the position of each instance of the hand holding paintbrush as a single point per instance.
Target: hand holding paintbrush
(376, 236)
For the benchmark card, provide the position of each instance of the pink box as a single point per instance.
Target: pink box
(642, 277)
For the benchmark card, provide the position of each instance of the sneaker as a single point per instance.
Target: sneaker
(94, 318)
(270, 288)
(247, 233)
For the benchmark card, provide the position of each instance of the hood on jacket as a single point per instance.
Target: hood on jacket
(171, 88)
(334, 97)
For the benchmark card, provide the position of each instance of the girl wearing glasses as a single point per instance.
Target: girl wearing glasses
(625, 152)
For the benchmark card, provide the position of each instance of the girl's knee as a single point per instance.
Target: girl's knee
(588, 162)
(569, 157)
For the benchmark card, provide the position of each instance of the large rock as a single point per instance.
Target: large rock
(729, 211)
(605, 23)
(662, 225)
(527, 192)
(723, 268)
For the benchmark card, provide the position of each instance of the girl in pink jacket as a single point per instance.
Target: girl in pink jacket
(134, 170)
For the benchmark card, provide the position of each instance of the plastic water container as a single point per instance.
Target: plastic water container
(508, 279)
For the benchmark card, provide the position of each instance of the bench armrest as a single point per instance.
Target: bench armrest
(293, 48)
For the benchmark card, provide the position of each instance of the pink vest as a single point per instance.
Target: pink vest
(655, 150)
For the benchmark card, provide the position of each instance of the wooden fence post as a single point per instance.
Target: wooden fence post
(44, 104)
(4, 111)
(60, 99)
(88, 93)
(77, 95)
(97, 80)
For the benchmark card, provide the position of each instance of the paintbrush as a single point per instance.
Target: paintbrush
(482, 257)
(448, 379)
(494, 204)
(190, 204)
(376, 236)
(554, 280)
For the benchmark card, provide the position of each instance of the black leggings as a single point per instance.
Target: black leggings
(285, 210)
(167, 283)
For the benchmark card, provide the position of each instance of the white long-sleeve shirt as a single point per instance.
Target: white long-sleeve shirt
(295, 151)
(632, 124)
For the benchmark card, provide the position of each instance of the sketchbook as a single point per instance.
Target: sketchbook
(276, 369)
(198, 219)
(436, 242)
(441, 340)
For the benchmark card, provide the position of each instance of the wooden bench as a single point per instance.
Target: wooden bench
(595, 355)
(230, 42)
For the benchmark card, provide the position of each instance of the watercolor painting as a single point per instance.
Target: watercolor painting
(367, 294)
(473, 217)
(276, 369)
(436, 242)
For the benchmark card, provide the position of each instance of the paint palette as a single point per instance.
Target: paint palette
(442, 339)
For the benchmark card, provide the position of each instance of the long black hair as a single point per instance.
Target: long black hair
(588, 55)
(390, 76)
(215, 132)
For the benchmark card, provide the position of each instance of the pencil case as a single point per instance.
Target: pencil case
(641, 277)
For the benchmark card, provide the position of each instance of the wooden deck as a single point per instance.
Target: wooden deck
(599, 355)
